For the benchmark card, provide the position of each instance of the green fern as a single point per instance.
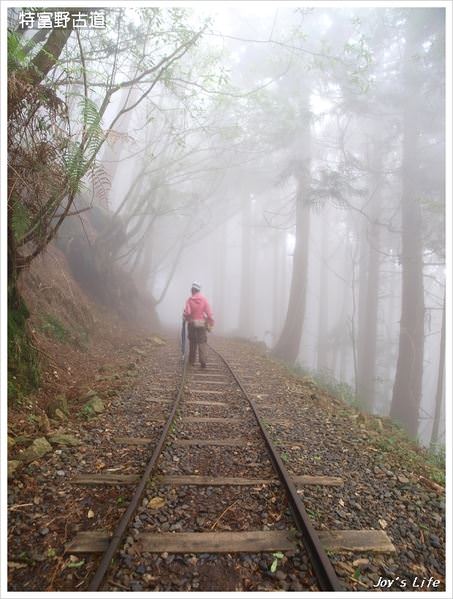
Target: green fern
(17, 58)
(75, 166)
(92, 124)
(90, 113)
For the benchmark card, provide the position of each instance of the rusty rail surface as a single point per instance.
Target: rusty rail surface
(325, 574)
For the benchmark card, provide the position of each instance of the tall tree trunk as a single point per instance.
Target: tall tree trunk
(278, 282)
(48, 55)
(287, 347)
(407, 388)
(323, 322)
(218, 275)
(368, 295)
(247, 287)
(440, 384)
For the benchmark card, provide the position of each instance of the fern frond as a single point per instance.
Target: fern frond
(17, 57)
(101, 182)
(90, 113)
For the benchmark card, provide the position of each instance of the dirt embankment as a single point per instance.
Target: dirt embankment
(73, 337)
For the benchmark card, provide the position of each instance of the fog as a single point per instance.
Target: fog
(291, 160)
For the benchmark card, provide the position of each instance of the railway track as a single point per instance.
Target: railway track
(216, 452)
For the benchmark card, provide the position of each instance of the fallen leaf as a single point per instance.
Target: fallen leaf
(76, 564)
(156, 502)
(382, 523)
(360, 562)
(16, 565)
(90, 514)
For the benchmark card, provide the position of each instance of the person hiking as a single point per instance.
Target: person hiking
(198, 315)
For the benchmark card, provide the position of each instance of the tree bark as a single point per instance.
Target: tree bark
(247, 287)
(368, 296)
(323, 322)
(46, 58)
(407, 388)
(278, 282)
(440, 385)
(287, 347)
(218, 275)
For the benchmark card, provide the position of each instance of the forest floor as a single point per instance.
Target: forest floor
(389, 483)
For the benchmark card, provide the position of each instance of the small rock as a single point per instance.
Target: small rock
(36, 450)
(13, 465)
(44, 531)
(403, 479)
(60, 472)
(64, 439)
(94, 404)
(435, 541)
(60, 414)
(60, 403)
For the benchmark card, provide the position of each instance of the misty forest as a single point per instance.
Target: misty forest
(291, 160)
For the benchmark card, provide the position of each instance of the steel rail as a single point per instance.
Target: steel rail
(136, 498)
(325, 574)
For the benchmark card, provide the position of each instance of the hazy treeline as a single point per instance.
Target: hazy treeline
(290, 159)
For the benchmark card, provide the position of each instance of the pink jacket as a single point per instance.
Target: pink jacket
(198, 308)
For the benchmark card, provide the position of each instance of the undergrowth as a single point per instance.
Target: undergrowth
(54, 328)
(324, 380)
(402, 449)
(393, 441)
(23, 367)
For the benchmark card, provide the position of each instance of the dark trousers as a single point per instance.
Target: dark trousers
(197, 339)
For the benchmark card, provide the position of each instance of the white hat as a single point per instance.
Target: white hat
(196, 286)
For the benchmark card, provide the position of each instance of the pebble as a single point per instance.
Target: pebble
(44, 531)
(60, 472)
